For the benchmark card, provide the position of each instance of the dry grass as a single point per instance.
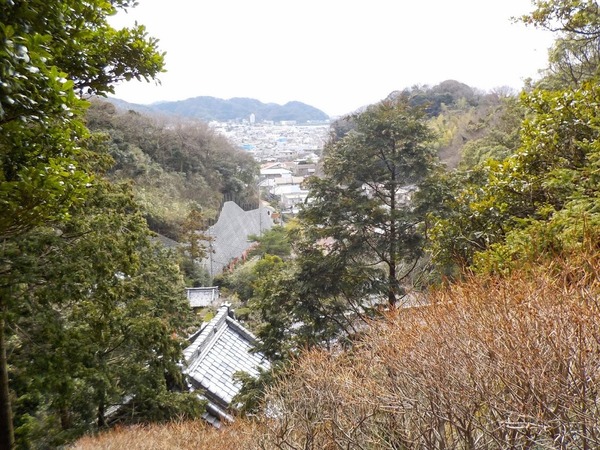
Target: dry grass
(192, 435)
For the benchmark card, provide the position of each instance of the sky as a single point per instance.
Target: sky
(335, 55)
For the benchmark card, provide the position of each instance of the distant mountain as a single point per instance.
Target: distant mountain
(235, 109)
(126, 106)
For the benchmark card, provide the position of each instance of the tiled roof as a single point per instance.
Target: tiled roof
(216, 353)
(200, 297)
(275, 171)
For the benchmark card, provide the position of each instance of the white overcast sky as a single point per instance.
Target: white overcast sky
(331, 54)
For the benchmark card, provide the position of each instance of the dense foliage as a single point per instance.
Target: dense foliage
(90, 309)
(361, 209)
(575, 56)
(539, 201)
(175, 167)
(96, 322)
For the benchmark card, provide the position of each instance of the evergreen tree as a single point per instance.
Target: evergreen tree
(50, 52)
(357, 239)
(99, 323)
(362, 209)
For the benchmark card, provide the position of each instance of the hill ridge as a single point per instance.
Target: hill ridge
(208, 108)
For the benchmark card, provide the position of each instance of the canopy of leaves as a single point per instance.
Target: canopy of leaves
(362, 204)
(49, 51)
(88, 305)
(575, 56)
(539, 200)
(79, 41)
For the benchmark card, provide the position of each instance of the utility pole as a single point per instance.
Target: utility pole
(210, 256)
(259, 212)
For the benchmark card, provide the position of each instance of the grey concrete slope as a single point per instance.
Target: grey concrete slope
(230, 235)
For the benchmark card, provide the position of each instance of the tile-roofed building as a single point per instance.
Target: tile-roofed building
(201, 297)
(274, 173)
(216, 352)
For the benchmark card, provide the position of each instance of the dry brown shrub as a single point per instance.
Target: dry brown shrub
(192, 435)
(492, 364)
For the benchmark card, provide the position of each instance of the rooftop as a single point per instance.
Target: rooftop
(216, 352)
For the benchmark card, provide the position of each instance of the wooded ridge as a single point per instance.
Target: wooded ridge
(207, 108)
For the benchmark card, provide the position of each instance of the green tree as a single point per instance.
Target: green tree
(461, 222)
(362, 206)
(535, 202)
(521, 206)
(355, 241)
(574, 58)
(312, 301)
(315, 299)
(49, 52)
(272, 242)
(581, 17)
(553, 179)
(98, 327)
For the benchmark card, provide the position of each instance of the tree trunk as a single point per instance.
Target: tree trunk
(392, 282)
(7, 436)
(101, 419)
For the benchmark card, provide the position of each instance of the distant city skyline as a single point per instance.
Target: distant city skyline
(333, 55)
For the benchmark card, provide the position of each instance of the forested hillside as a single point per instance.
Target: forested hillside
(175, 167)
(470, 125)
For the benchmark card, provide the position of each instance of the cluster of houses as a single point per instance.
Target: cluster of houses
(283, 182)
(275, 142)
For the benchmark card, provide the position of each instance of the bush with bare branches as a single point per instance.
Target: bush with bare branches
(491, 364)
